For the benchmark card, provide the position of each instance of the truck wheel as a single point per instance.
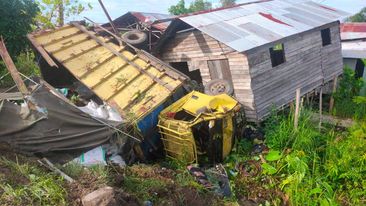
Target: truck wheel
(219, 86)
(134, 37)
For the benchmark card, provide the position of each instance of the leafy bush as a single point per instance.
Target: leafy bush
(349, 87)
(318, 168)
(25, 65)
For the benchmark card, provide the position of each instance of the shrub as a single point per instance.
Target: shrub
(25, 65)
(348, 88)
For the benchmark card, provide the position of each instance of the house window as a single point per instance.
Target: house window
(277, 54)
(326, 37)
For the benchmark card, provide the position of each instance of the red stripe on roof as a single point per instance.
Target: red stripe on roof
(270, 17)
(328, 8)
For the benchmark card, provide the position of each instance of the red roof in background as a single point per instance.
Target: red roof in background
(353, 27)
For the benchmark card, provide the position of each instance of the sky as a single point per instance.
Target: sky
(117, 8)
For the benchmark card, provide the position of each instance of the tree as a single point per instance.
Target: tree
(200, 5)
(17, 19)
(225, 3)
(55, 12)
(178, 9)
(197, 5)
(359, 17)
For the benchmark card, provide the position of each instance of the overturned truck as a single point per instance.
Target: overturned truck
(136, 84)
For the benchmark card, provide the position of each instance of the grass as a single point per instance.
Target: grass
(29, 185)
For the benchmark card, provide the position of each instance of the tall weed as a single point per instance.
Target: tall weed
(318, 167)
(349, 87)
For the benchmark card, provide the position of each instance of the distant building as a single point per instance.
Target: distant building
(353, 37)
(266, 50)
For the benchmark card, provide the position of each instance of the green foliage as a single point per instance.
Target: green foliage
(142, 187)
(17, 18)
(41, 189)
(317, 168)
(55, 12)
(225, 3)
(273, 155)
(348, 89)
(179, 8)
(25, 65)
(359, 17)
(281, 134)
(197, 5)
(200, 5)
(73, 169)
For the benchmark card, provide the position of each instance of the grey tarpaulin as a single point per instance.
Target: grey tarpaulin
(63, 127)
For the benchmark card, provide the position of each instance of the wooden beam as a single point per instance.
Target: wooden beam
(331, 103)
(297, 109)
(11, 96)
(120, 42)
(109, 17)
(42, 51)
(12, 69)
(114, 51)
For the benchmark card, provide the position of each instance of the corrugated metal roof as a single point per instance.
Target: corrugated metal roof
(351, 31)
(134, 84)
(355, 50)
(244, 27)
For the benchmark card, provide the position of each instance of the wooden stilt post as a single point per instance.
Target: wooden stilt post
(331, 103)
(297, 108)
(320, 107)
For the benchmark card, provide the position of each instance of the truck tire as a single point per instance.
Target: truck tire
(134, 37)
(219, 86)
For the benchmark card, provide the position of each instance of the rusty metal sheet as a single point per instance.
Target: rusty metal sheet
(353, 31)
(278, 18)
(116, 80)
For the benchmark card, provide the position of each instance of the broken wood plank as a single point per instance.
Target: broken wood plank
(42, 51)
(11, 96)
(53, 168)
(12, 69)
(114, 51)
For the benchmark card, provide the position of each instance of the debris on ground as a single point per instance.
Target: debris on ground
(102, 197)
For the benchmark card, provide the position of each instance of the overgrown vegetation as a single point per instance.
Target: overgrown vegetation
(27, 184)
(25, 65)
(349, 88)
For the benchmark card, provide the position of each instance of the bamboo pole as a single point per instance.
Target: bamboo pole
(331, 103)
(320, 107)
(297, 108)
